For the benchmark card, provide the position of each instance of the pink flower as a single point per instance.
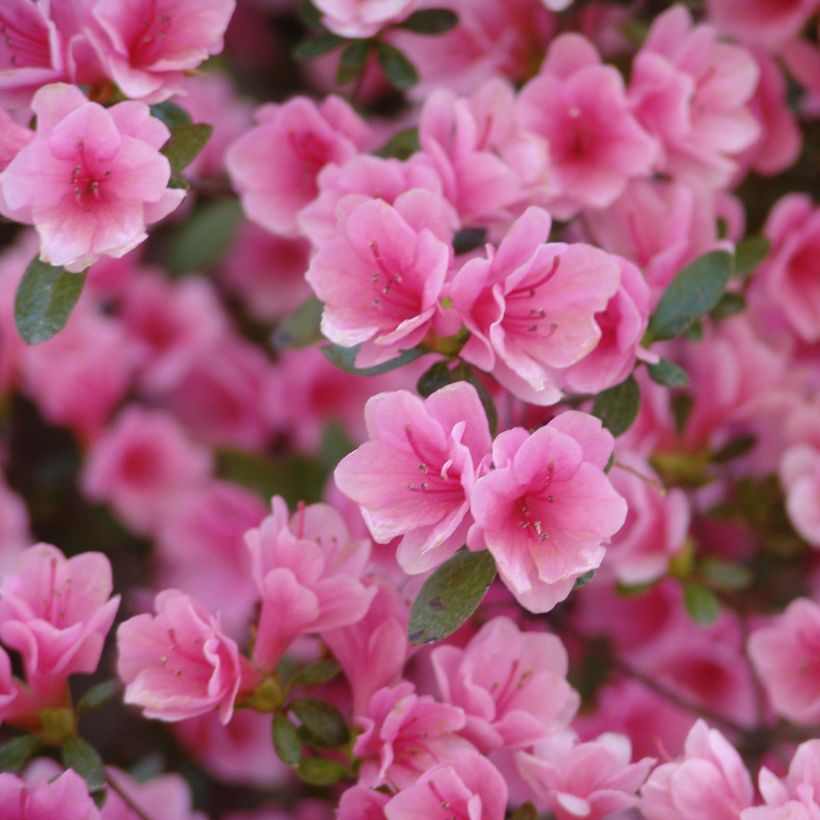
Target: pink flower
(14, 527)
(580, 106)
(415, 476)
(56, 611)
(307, 570)
(66, 797)
(13, 138)
(165, 796)
(592, 780)
(91, 179)
(800, 476)
(692, 92)
(382, 277)
(548, 507)
(363, 18)
(710, 781)
(797, 795)
(141, 465)
(404, 734)
(179, 663)
(785, 656)
(147, 46)
(762, 22)
(361, 803)
(511, 685)
(274, 166)
(465, 787)
(530, 307)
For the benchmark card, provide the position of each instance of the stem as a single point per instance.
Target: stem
(126, 798)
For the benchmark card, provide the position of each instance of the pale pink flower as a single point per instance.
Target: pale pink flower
(91, 179)
(147, 46)
(580, 106)
(381, 278)
(274, 166)
(13, 138)
(465, 787)
(16, 698)
(692, 92)
(709, 781)
(785, 656)
(141, 465)
(592, 780)
(404, 734)
(66, 797)
(548, 508)
(363, 18)
(14, 527)
(414, 477)
(797, 795)
(56, 612)
(800, 476)
(530, 307)
(361, 803)
(769, 23)
(307, 569)
(511, 685)
(166, 796)
(179, 663)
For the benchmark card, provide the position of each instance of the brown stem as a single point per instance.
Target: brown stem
(126, 798)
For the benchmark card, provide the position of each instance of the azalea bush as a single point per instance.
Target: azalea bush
(410, 409)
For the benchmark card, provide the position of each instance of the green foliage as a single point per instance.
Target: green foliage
(45, 298)
(750, 253)
(15, 753)
(396, 67)
(184, 144)
(401, 145)
(324, 724)
(431, 21)
(352, 60)
(99, 695)
(314, 47)
(618, 407)
(668, 374)
(81, 756)
(203, 238)
(319, 771)
(301, 328)
(286, 741)
(345, 359)
(701, 603)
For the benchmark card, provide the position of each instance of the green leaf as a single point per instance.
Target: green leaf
(526, 811)
(431, 21)
(99, 695)
(352, 60)
(324, 722)
(726, 575)
(750, 253)
(45, 298)
(81, 756)
(694, 333)
(301, 328)
(434, 378)
(172, 115)
(486, 400)
(633, 590)
(401, 145)
(733, 449)
(701, 603)
(618, 407)
(583, 580)
(249, 470)
(681, 405)
(692, 293)
(16, 752)
(729, 304)
(450, 595)
(319, 771)
(397, 68)
(185, 143)
(314, 47)
(204, 237)
(468, 239)
(668, 374)
(320, 671)
(286, 741)
(345, 357)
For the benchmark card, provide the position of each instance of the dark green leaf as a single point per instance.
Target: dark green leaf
(701, 603)
(692, 293)
(618, 407)
(431, 21)
(735, 448)
(526, 811)
(185, 143)
(320, 671)
(668, 374)
(584, 579)
(397, 68)
(301, 328)
(204, 237)
(323, 721)
(98, 695)
(468, 239)
(81, 756)
(694, 333)
(726, 575)
(352, 60)
(486, 402)
(434, 378)
(450, 595)
(334, 446)
(286, 741)
(319, 771)
(681, 405)
(316, 46)
(750, 253)
(401, 145)
(345, 357)
(45, 298)
(16, 752)
(172, 115)
(730, 304)
(251, 471)
(633, 590)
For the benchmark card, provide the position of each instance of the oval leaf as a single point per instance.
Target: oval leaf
(450, 595)
(730, 304)
(618, 407)
(171, 114)
(352, 61)
(319, 771)
(691, 294)
(99, 695)
(324, 722)
(320, 671)
(701, 603)
(668, 374)
(185, 143)
(16, 752)
(750, 253)
(316, 46)
(726, 575)
(345, 359)
(200, 242)
(85, 760)
(286, 741)
(401, 145)
(45, 298)
(431, 21)
(301, 328)
(397, 68)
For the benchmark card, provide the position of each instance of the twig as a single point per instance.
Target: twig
(126, 798)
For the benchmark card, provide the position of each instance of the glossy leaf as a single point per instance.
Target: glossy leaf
(45, 298)
(618, 407)
(397, 68)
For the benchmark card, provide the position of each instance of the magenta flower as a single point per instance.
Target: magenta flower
(382, 277)
(91, 179)
(548, 508)
(797, 795)
(307, 569)
(65, 797)
(56, 611)
(363, 18)
(179, 663)
(414, 477)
